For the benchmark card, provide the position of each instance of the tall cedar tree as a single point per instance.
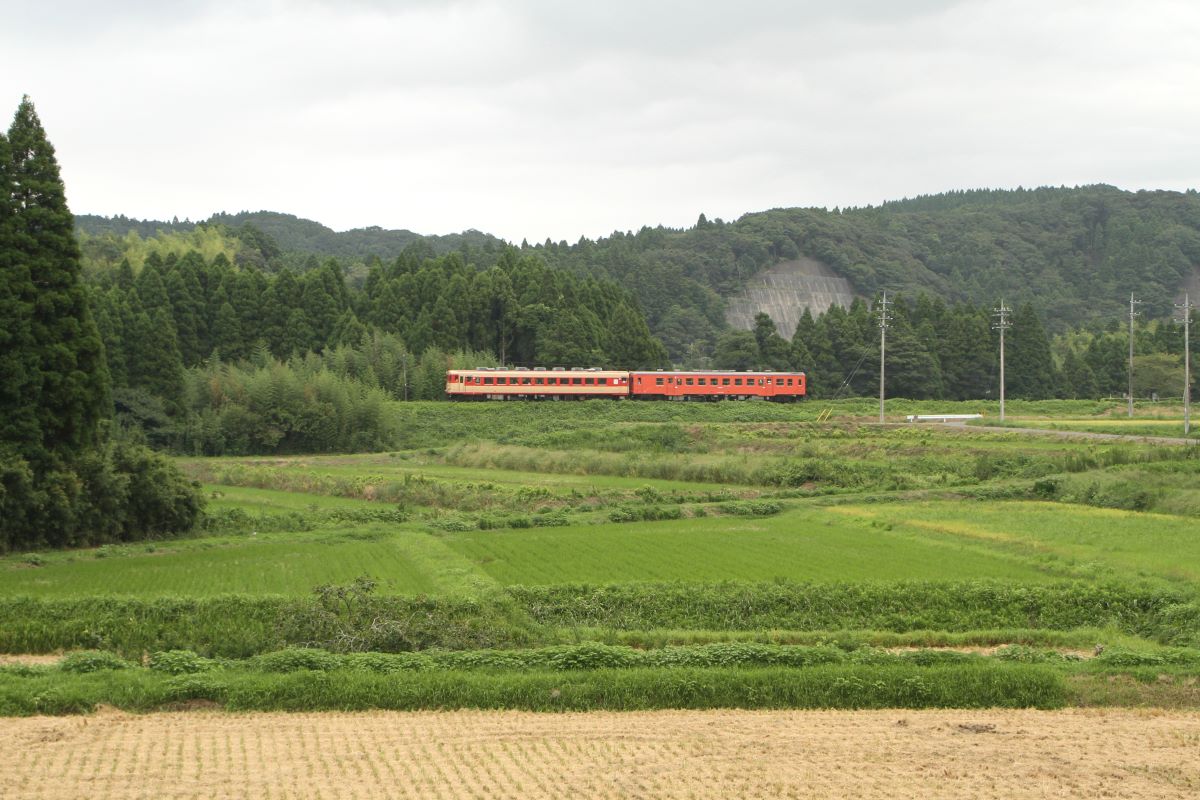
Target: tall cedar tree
(70, 386)
(1029, 368)
(18, 361)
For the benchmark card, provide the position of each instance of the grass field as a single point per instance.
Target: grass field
(289, 564)
(797, 546)
(594, 524)
(1120, 544)
(1137, 426)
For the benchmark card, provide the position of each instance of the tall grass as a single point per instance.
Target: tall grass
(1167, 614)
(828, 686)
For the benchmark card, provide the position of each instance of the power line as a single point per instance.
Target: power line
(1001, 324)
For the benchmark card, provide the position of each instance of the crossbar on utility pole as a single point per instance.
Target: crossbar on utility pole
(1186, 306)
(1132, 314)
(1002, 324)
(884, 319)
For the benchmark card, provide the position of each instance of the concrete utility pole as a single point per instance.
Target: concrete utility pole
(1132, 314)
(1002, 324)
(1187, 307)
(884, 319)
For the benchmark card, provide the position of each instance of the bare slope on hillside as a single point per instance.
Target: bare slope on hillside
(784, 291)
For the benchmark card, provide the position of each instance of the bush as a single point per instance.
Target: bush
(92, 661)
(295, 659)
(121, 492)
(180, 662)
(752, 508)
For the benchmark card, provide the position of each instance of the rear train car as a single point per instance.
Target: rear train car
(712, 385)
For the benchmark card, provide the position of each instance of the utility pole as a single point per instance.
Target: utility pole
(1002, 324)
(1132, 314)
(884, 319)
(1187, 307)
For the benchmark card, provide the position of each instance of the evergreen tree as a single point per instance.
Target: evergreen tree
(774, 351)
(1029, 368)
(967, 356)
(71, 382)
(18, 355)
(227, 334)
(185, 318)
(629, 344)
(1078, 378)
(154, 361)
(736, 350)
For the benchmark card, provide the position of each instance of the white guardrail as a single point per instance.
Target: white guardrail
(941, 417)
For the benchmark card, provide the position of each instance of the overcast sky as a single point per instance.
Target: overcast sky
(551, 118)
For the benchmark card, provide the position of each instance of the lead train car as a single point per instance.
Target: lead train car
(527, 384)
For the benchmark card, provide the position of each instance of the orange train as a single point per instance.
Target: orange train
(578, 384)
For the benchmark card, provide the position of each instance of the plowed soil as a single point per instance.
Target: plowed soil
(676, 754)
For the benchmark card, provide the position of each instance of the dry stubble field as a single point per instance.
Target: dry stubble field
(678, 754)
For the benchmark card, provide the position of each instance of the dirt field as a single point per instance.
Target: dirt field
(677, 754)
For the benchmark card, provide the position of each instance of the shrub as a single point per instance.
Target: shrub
(295, 659)
(752, 508)
(180, 662)
(92, 661)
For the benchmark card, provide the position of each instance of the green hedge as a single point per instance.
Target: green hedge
(826, 686)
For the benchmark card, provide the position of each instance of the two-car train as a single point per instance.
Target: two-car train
(500, 383)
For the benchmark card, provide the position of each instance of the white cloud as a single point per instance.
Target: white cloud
(541, 118)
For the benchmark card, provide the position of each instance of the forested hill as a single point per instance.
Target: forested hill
(1075, 253)
(296, 236)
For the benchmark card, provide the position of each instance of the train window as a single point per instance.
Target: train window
(689, 381)
(602, 381)
(526, 381)
(657, 381)
(589, 381)
(789, 381)
(488, 380)
(737, 381)
(724, 381)
(703, 381)
(760, 382)
(540, 381)
(577, 381)
(768, 381)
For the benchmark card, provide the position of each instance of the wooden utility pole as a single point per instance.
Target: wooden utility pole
(1187, 307)
(884, 318)
(1002, 324)
(1132, 314)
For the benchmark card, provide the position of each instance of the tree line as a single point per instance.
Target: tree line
(951, 351)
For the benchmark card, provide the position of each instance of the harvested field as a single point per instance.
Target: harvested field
(952, 754)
